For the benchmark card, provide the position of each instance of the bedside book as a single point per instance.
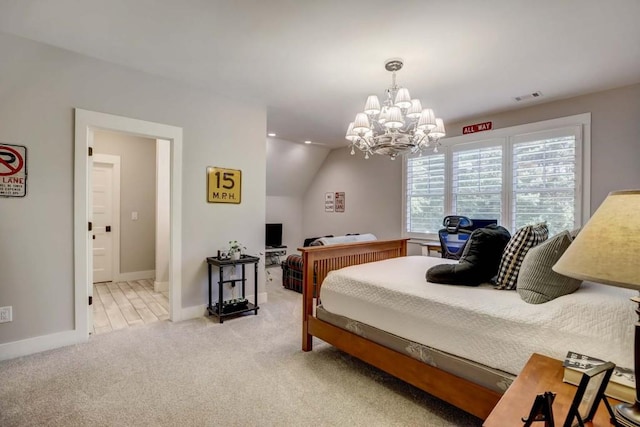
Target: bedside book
(621, 385)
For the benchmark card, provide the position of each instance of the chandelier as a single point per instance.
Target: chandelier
(399, 126)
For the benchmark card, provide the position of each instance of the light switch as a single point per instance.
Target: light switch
(134, 216)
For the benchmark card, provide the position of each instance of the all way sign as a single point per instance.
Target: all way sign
(478, 127)
(13, 170)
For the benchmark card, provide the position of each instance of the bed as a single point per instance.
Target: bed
(461, 344)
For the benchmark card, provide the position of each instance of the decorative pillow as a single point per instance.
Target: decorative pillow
(513, 255)
(537, 282)
(309, 241)
(479, 261)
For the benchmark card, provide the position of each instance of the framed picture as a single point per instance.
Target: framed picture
(589, 394)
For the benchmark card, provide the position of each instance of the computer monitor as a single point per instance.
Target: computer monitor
(273, 235)
(481, 223)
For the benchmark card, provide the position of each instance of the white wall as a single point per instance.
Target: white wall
(39, 88)
(373, 201)
(291, 167)
(288, 212)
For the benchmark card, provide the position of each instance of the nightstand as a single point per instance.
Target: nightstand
(540, 374)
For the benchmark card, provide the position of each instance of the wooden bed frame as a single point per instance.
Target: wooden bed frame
(320, 260)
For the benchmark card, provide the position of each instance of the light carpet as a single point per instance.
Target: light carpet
(249, 371)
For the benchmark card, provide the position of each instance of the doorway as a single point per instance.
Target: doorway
(86, 123)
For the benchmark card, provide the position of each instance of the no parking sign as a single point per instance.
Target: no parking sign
(13, 170)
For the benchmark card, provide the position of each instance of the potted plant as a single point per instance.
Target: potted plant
(235, 249)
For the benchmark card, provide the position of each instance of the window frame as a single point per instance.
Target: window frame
(581, 123)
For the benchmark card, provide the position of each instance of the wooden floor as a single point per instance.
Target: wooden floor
(119, 305)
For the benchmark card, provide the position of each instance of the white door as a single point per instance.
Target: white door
(105, 207)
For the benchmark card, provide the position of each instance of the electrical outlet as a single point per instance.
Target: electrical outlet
(6, 314)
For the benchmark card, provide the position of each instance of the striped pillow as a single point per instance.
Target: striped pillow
(513, 255)
(537, 282)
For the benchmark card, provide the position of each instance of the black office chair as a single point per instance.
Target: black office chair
(454, 236)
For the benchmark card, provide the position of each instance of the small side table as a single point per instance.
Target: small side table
(540, 374)
(222, 309)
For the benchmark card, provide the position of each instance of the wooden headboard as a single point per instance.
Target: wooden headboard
(318, 261)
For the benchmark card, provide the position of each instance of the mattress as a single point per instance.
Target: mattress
(493, 379)
(492, 327)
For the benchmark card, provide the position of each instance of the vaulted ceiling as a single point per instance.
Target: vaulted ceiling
(313, 63)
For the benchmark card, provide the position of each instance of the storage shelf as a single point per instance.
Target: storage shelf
(214, 310)
(227, 307)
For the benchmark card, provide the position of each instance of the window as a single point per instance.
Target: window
(425, 195)
(544, 181)
(521, 175)
(477, 182)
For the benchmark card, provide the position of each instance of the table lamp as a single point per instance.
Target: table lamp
(607, 250)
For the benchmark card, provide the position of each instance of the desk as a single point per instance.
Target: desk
(540, 374)
(431, 245)
(272, 255)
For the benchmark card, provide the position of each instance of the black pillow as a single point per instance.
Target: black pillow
(479, 261)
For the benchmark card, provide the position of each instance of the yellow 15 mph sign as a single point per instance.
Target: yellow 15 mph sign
(223, 185)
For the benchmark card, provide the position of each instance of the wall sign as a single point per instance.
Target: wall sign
(340, 201)
(328, 202)
(13, 170)
(478, 127)
(224, 185)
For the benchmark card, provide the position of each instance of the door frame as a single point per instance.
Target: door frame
(114, 161)
(85, 123)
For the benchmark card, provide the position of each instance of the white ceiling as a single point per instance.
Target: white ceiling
(313, 63)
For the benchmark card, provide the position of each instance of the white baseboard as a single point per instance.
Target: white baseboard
(136, 275)
(34, 345)
(193, 312)
(28, 346)
(161, 286)
(196, 311)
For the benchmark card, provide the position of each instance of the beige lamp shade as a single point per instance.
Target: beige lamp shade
(607, 249)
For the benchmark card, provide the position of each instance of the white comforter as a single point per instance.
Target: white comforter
(492, 327)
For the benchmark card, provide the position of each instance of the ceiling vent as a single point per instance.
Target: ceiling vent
(528, 96)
